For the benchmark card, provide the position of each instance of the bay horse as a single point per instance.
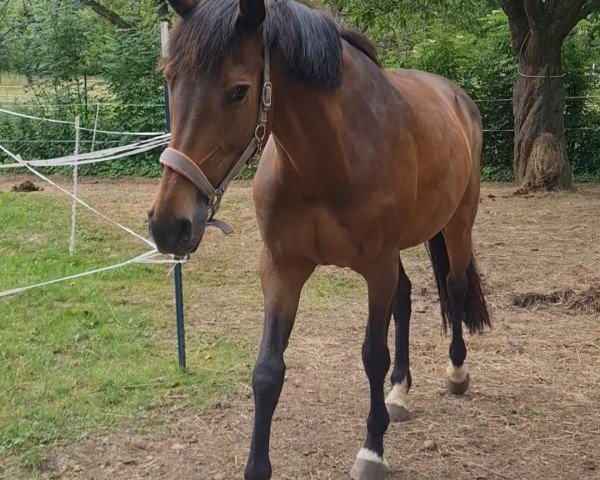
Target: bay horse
(359, 163)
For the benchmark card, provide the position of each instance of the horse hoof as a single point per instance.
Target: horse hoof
(457, 379)
(397, 413)
(458, 388)
(369, 466)
(396, 403)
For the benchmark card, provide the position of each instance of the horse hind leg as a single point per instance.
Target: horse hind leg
(461, 293)
(401, 379)
(461, 296)
(457, 373)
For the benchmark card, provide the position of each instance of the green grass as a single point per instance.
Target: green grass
(97, 352)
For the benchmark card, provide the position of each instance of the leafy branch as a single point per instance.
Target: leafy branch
(108, 14)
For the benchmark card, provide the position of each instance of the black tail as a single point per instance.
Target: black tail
(476, 316)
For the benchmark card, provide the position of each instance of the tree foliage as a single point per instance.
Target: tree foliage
(75, 53)
(470, 42)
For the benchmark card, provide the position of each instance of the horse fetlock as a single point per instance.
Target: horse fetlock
(258, 470)
(458, 350)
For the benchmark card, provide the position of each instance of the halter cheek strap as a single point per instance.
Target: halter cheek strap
(182, 164)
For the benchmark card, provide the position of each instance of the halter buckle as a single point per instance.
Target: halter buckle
(267, 95)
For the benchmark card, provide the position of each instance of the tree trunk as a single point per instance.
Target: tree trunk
(162, 10)
(540, 160)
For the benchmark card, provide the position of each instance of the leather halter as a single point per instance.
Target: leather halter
(182, 164)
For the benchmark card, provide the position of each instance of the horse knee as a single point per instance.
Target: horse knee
(376, 359)
(268, 377)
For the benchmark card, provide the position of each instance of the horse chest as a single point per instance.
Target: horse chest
(315, 232)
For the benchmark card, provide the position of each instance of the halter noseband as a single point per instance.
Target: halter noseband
(180, 163)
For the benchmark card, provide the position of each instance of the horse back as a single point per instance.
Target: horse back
(437, 97)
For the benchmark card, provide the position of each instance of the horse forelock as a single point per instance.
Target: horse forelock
(305, 39)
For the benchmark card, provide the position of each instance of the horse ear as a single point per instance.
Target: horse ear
(183, 7)
(252, 14)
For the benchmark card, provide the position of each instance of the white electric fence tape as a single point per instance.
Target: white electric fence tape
(98, 156)
(81, 202)
(140, 259)
(158, 140)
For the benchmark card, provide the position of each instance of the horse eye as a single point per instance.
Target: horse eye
(239, 93)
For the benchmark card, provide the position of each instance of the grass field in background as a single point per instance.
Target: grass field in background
(99, 352)
(12, 89)
(12, 79)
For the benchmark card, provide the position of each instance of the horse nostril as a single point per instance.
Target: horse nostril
(184, 230)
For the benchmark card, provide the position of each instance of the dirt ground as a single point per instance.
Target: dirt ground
(533, 410)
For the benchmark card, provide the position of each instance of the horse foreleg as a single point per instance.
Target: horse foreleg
(282, 281)
(382, 282)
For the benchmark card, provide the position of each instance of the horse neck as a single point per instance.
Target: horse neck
(308, 128)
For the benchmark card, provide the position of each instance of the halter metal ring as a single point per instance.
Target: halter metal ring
(215, 204)
(260, 133)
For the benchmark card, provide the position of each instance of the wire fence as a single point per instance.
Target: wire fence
(582, 127)
(582, 121)
(588, 101)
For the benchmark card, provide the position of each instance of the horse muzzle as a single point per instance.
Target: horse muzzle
(179, 236)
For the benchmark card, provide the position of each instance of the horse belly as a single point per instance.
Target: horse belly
(439, 154)
(442, 178)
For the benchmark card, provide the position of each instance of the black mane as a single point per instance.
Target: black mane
(307, 40)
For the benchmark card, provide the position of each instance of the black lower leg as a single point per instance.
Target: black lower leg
(457, 290)
(402, 312)
(282, 281)
(382, 283)
(267, 383)
(376, 359)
